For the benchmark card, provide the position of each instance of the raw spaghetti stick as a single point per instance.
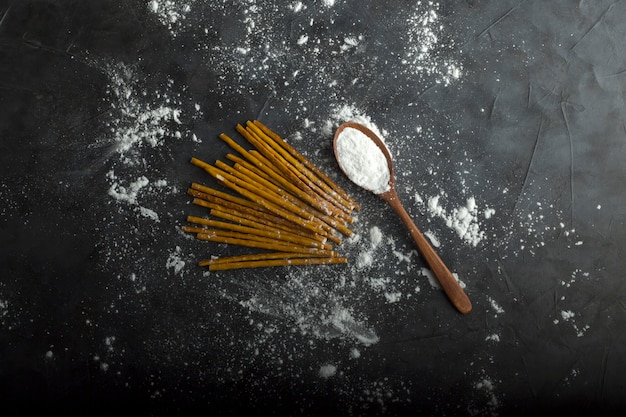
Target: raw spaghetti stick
(277, 262)
(253, 257)
(288, 164)
(237, 160)
(280, 223)
(269, 233)
(259, 197)
(308, 164)
(214, 237)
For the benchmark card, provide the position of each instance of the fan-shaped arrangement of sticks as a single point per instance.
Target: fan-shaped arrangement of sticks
(278, 202)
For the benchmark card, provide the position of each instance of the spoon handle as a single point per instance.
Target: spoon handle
(450, 285)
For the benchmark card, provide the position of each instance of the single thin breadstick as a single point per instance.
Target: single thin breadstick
(307, 163)
(277, 262)
(266, 232)
(218, 233)
(253, 257)
(217, 237)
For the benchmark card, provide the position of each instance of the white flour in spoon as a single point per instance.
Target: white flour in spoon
(362, 161)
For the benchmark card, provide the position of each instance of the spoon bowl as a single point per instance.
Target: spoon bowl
(448, 282)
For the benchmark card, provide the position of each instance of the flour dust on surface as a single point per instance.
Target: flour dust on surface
(308, 324)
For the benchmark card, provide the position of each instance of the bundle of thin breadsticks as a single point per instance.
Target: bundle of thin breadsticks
(280, 204)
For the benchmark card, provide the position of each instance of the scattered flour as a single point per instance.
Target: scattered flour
(422, 41)
(176, 261)
(170, 13)
(463, 220)
(317, 304)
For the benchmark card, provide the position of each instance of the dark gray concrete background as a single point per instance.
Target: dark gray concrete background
(102, 306)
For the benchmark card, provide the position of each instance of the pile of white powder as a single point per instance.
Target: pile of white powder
(362, 160)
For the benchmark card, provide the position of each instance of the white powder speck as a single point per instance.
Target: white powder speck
(376, 236)
(327, 371)
(366, 256)
(496, 307)
(402, 257)
(431, 277)
(297, 7)
(433, 239)
(148, 213)
(492, 338)
(393, 297)
(567, 314)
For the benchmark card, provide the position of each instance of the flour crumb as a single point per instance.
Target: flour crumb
(327, 371)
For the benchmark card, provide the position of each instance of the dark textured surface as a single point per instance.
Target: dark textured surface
(96, 317)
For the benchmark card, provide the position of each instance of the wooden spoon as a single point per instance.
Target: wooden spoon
(450, 285)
